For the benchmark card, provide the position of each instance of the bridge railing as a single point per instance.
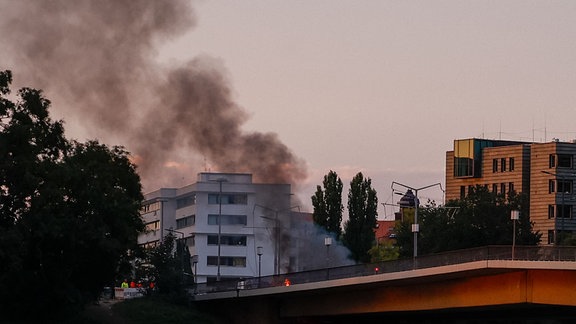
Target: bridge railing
(525, 253)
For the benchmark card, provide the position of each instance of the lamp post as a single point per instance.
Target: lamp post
(415, 226)
(276, 232)
(195, 263)
(514, 216)
(219, 180)
(259, 252)
(328, 242)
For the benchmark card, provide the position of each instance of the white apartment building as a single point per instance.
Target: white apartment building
(253, 218)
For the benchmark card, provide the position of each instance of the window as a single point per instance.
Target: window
(565, 161)
(511, 186)
(185, 222)
(464, 158)
(564, 211)
(234, 240)
(153, 226)
(190, 240)
(495, 188)
(565, 186)
(503, 188)
(228, 199)
(186, 201)
(551, 186)
(494, 165)
(551, 214)
(462, 192)
(148, 208)
(511, 164)
(228, 220)
(550, 236)
(552, 161)
(503, 165)
(227, 261)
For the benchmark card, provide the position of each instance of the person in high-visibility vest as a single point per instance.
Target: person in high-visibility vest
(124, 284)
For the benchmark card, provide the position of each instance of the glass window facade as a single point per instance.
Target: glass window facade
(185, 222)
(564, 211)
(234, 240)
(185, 201)
(564, 186)
(228, 220)
(227, 261)
(468, 157)
(228, 199)
(565, 161)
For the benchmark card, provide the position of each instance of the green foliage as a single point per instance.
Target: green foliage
(362, 210)
(384, 251)
(168, 265)
(481, 218)
(327, 204)
(68, 211)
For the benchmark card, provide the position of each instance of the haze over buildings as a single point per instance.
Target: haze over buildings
(298, 88)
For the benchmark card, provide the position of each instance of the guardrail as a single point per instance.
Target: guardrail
(524, 253)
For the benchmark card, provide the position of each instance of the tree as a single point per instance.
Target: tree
(384, 251)
(68, 211)
(362, 210)
(168, 265)
(481, 218)
(327, 204)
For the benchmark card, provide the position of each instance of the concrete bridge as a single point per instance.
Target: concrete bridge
(539, 284)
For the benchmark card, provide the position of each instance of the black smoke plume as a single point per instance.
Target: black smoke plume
(96, 60)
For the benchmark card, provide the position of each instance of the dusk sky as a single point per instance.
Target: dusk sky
(383, 87)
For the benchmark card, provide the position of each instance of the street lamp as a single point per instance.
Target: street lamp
(259, 252)
(514, 216)
(415, 226)
(328, 242)
(219, 180)
(276, 232)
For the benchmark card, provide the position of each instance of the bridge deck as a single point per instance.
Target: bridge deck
(482, 284)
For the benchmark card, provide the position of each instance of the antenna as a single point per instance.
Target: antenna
(206, 169)
(545, 131)
(533, 141)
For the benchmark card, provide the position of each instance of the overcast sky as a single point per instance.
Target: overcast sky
(384, 87)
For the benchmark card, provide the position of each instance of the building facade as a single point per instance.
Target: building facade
(544, 171)
(232, 226)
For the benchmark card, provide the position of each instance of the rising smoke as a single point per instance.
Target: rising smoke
(96, 61)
